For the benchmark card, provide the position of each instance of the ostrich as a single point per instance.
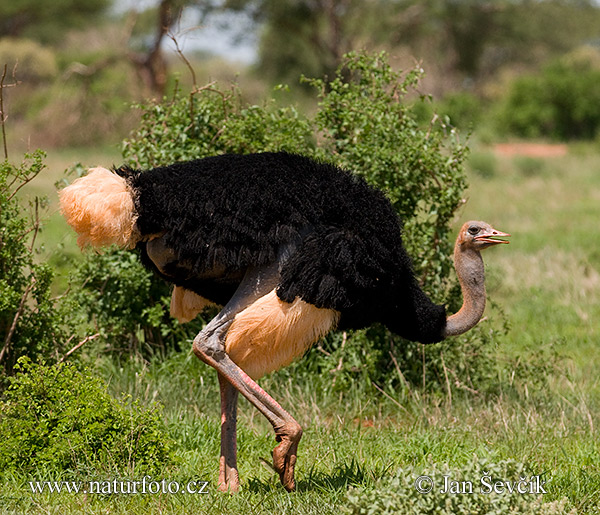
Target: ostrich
(290, 247)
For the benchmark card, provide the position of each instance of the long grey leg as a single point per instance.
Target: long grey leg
(209, 347)
(228, 474)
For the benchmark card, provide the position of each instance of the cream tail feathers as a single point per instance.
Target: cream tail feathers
(100, 207)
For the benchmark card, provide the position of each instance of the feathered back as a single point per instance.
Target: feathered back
(233, 211)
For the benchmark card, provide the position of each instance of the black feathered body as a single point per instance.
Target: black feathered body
(224, 214)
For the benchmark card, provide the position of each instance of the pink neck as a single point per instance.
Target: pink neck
(470, 271)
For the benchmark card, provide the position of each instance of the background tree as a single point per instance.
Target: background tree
(149, 60)
(473, 39)
(47, 20)
(461, 42)
(311, 36)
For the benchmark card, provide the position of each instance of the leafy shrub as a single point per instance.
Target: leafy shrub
(362, 123)
(31, 322)
(128, 309)
(56, 418)
(399, 494)
(562, 101)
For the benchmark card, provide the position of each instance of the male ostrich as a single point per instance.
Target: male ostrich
(290, 247)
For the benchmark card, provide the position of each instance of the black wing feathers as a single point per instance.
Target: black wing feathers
(233, 211)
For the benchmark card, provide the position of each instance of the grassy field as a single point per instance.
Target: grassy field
(546, 283)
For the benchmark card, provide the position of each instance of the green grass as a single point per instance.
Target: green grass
(544, 412)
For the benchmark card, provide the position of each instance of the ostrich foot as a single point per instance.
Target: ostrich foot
(229, 480)
(284, 455)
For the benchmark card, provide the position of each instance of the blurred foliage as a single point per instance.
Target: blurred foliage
(104, 60)
(34, 62)
(471, 39)
(47, 20)
(465, 110)
(561, 101)
(529, 166)
(484, 164)
(58, 419)
(482, 36)
(32, 323)
(311, 38)
(61, 98)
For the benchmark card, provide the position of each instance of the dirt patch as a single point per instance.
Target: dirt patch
(531, 149)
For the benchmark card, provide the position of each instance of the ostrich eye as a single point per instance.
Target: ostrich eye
(473, 230)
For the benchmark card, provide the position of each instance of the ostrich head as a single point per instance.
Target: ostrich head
(472, 239)
(478, 236)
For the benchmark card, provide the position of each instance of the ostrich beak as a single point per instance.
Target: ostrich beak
(490, 237)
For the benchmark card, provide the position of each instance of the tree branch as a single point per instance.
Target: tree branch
(2, 117)
(15, 321)
(22, 184)
(79, 345)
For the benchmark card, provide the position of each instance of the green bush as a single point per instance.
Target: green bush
(562, 102)
(32, 323)
(128, 309)
(362, 123)
(55, 419)
(399, 494)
